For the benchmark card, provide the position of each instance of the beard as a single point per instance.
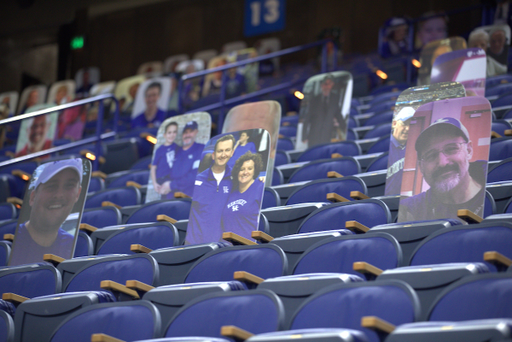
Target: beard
(444, 185)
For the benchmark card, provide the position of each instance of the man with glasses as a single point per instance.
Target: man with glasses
(444, 152)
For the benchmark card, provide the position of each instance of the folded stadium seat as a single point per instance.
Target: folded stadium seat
(501, 193)
(317, 190)
(500, 172)
(120, 155)
(501, 148)
(379, 118)
(125, 196)
(5, 252)
(83, 245)
(380, 107)
(285, 144)
(175, 262)
(381, 145)
(270, 199)
(379, 131)
(338, 254)
(385, 97)
(177, 209)
(379, 163)
(464, 243)
(288, 131)
(320, 168)
(498, 79)
(503, 100)
(127, 321)
(257, 312)
(352, 122)
(96, 184)
(345, 306)
(345, 148)
(295, 245)
(295, 289)
(140, 177)
(118, 239)
(7, 211)
(6, 327)
(337, 215)
(101, 217)
(463, 310)
(285, 220)
(21, 280)
(141, 164)
(277, 177)
(500, 126)
(498, 90)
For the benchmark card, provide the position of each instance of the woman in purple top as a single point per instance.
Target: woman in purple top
(164, 159)
(241, 213)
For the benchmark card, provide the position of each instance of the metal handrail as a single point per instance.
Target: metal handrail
(97, 138)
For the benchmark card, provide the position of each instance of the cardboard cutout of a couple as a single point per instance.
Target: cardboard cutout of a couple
(177, 155)
(447, 153)
(51, 211)
(405, 107)
(325, 109)
(495, 40)
(228, 198)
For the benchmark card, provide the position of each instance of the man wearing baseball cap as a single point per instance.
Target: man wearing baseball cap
(187, 161)
(53, 195)
(444, 152)
(398, 140)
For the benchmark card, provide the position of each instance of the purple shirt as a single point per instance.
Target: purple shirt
(141, 121)
(26, 250)
(164, 160)
(184, 174)
(242, 210)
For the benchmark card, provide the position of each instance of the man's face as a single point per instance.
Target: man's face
(52, 201)
(497, 42)
(38, 130)
(152, 96)
(401, 130)
(189, 136)
(223, 152)
(327, 87)
(444, 171)
(170, 134)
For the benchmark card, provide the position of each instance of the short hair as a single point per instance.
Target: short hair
(258, 166)
(442, 130)
(246, 132)
(477, 34)
(172, 123)
(47, 120)
(224, 138)
(154, 85)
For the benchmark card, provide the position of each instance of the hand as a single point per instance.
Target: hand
(157, 187)
(262, 179)
(165, 188)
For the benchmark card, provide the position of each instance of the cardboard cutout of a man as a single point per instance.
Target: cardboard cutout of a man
(37, 140)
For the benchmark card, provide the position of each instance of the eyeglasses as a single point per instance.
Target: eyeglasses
(447, 150)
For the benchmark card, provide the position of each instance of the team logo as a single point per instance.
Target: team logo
(235, 205)
(225, 189)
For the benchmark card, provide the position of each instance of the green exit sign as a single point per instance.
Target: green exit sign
(77, 42)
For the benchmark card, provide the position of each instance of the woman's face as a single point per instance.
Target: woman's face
(244, 137)
(170, 134)
(246, 173)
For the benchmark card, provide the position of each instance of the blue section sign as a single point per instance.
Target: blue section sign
(263, 16)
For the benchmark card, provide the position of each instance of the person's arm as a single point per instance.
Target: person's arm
(152, 173)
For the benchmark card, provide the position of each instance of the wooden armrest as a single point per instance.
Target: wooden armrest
(15, 200)
(247, 277)
(366, 269)
(235, 333)
(104, 338)
(21, 174)
(286, 123)
(499, 260)
(118, 288)
(236, 239)
(334, 174)
(181, 195)
(261, 236)
(375, 323)
(336, 155)
(144, 135)
(468, 216)
(358, 195)
(110, 204)
(508, 132)
(166, 218)
(54, 259)
(14, 298)
(334, 197)
(495, 135)
(356, 227)
(99, 174)
(139, 249)
(9, 237)
(138, 286)
(134, 184)
(87, 228)
(333, 140)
